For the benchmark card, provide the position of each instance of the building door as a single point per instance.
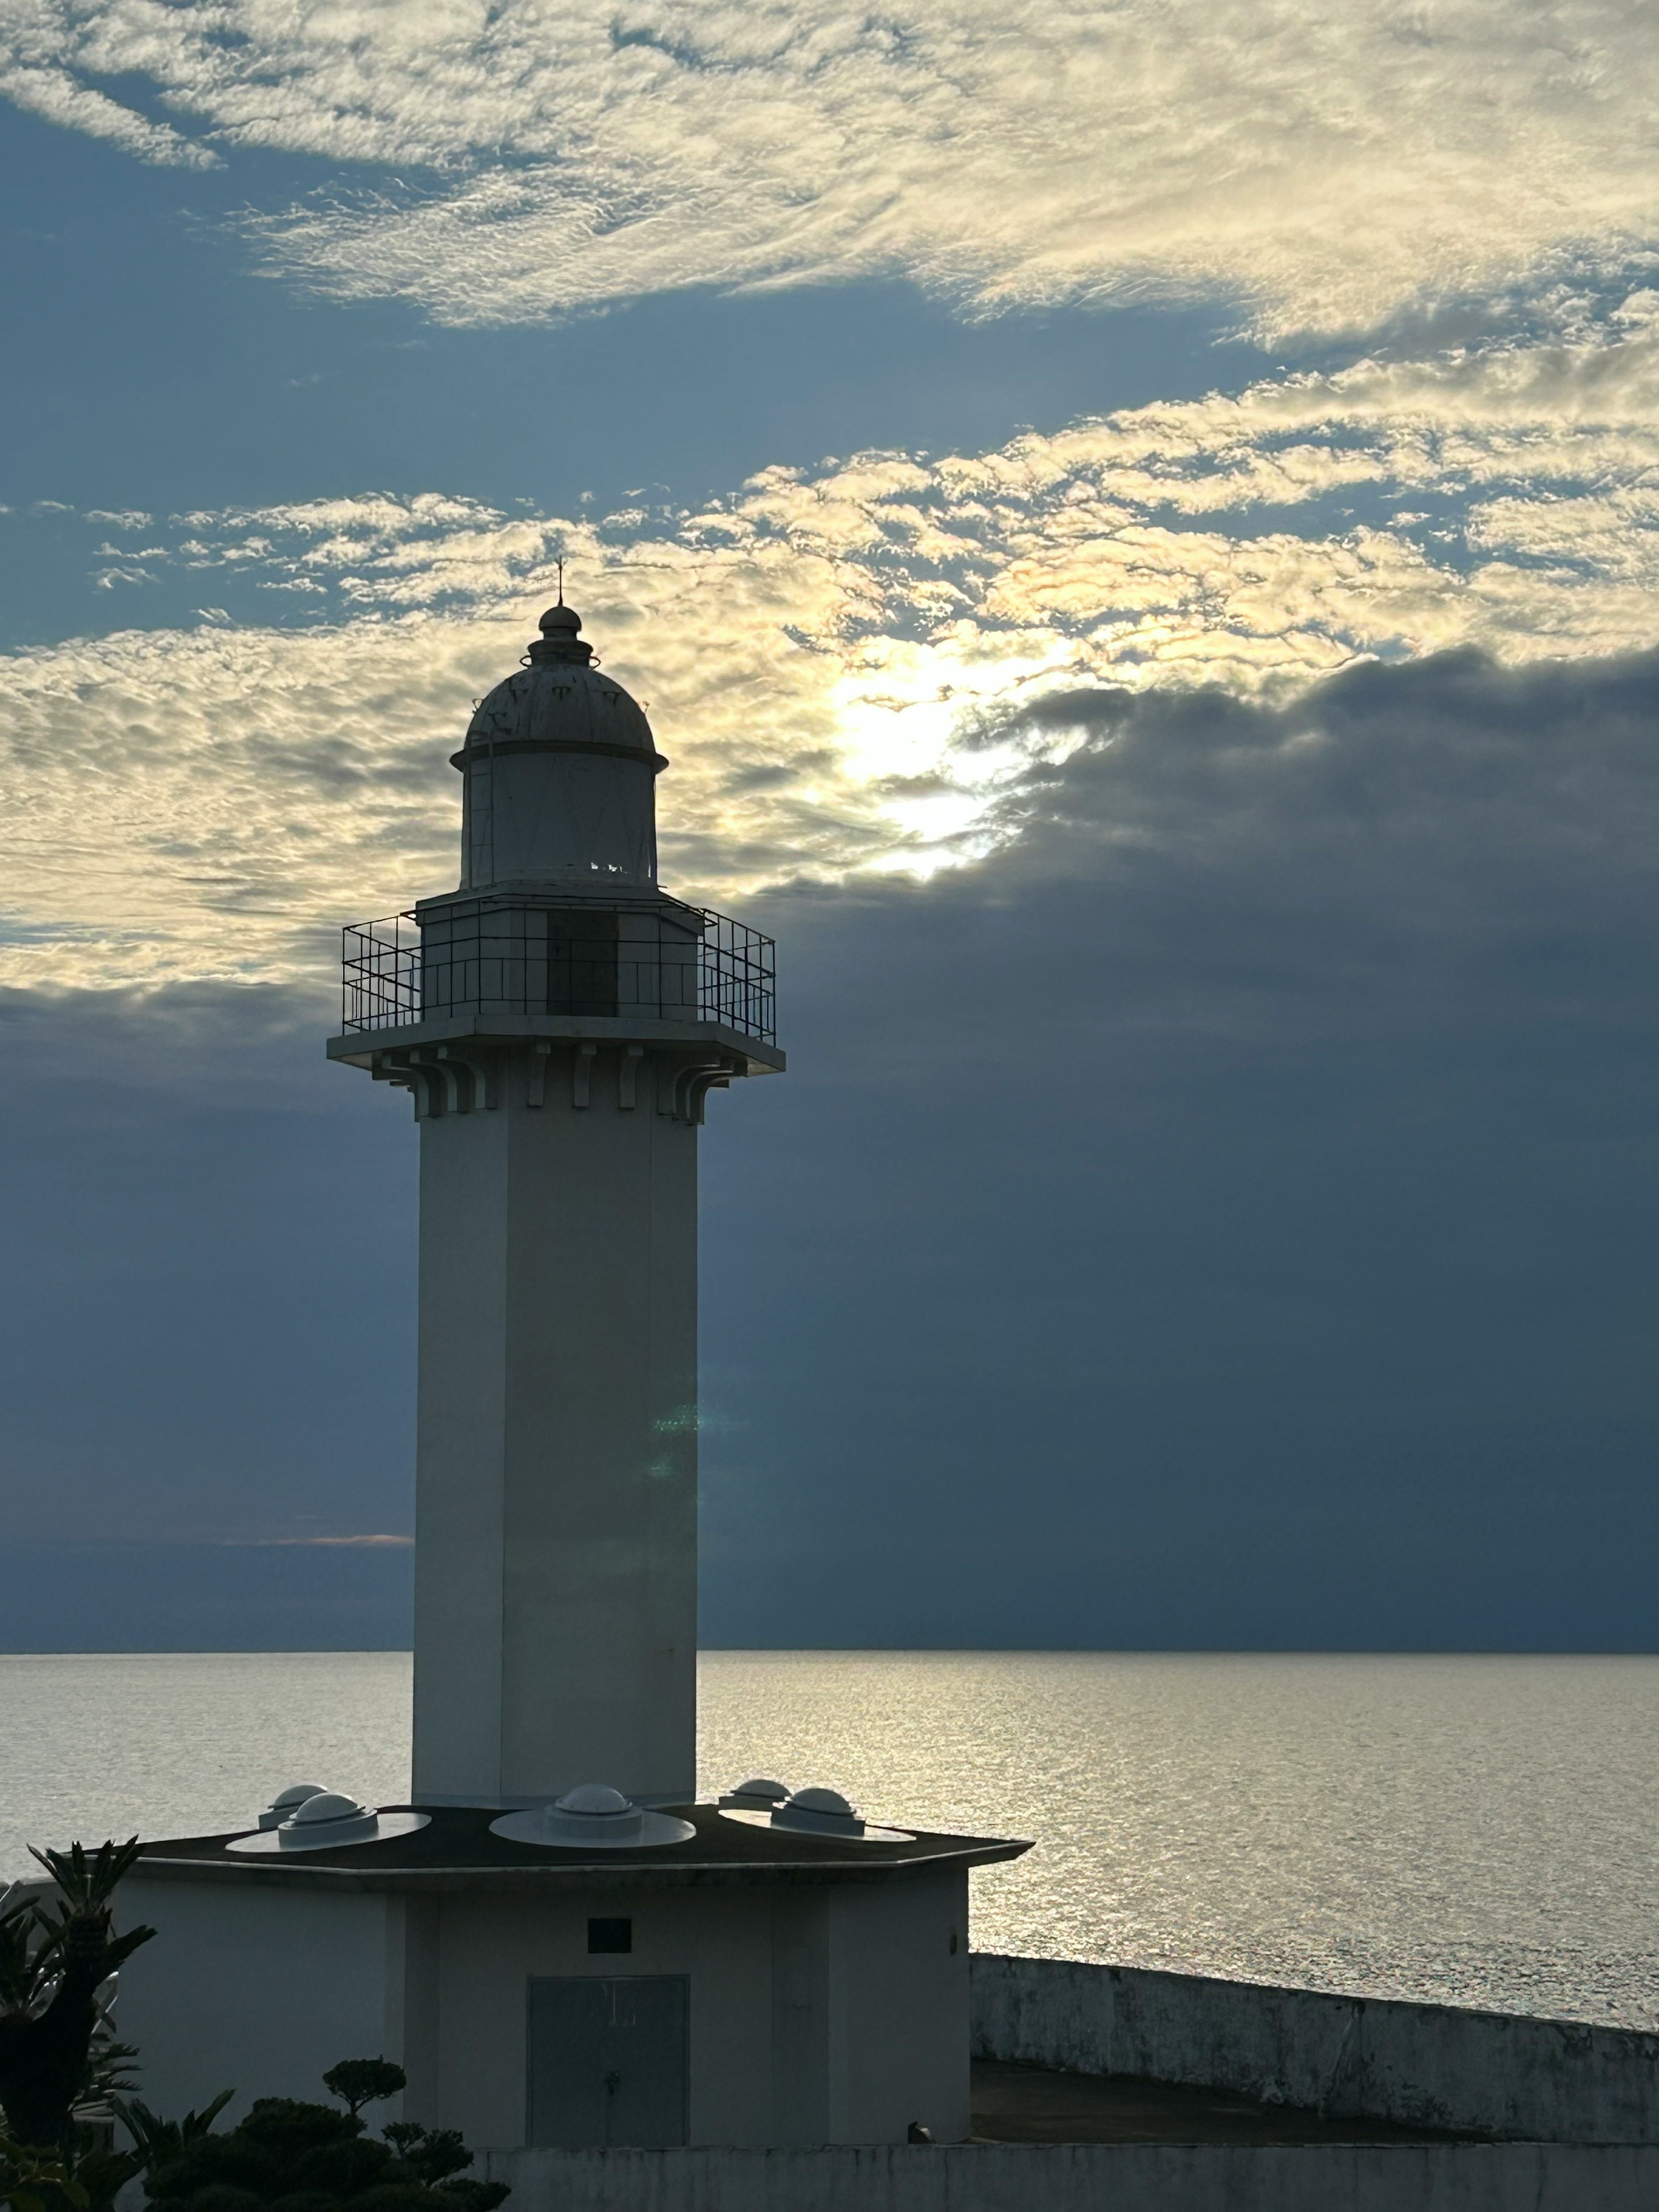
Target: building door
(608, 2062)
(582, 963)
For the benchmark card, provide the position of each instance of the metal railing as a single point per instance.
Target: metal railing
(479, 956)
(380, 974)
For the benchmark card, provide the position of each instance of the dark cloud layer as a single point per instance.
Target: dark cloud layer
(146, 1596)
(1224, 1218)
(1227, 1217)
(1448, 834)
(207, 1235)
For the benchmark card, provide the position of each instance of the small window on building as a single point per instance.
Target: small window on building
(610, 1934)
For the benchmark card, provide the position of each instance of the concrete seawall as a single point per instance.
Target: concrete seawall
(1582, 2102)
(1497, 2074)
(1086, 2177)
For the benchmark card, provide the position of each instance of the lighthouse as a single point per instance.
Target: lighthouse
(562, 1946)
(559, 1021)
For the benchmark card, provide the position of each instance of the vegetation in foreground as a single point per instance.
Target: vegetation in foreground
(65, 2079)
(293, 2157)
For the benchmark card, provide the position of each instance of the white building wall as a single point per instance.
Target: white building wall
(900, 1961)
(257, 1988)
(819, 2014)
(488, 1948)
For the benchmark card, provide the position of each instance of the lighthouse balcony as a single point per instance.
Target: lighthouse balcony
(518, 966)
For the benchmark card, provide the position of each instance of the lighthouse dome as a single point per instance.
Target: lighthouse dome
(561, 699)
(559, 765)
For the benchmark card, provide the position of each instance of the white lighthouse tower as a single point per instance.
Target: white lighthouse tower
(560, 1020)
(561, 1948)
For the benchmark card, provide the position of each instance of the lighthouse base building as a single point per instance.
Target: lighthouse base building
(745, 1986)
(555, 1943)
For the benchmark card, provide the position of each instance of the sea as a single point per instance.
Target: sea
(1473, 1830)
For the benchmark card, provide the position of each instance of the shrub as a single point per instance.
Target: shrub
(61, 2074)
(57, 2057)
(287, 2156)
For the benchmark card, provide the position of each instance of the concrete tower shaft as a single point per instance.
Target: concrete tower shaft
(556, 1476)
(559, 1021)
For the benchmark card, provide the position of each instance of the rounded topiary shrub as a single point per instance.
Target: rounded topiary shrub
(288, 2156)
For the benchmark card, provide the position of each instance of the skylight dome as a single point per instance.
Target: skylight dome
(288, 1802)
(592, 1817)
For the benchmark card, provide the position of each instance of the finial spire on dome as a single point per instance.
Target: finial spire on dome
(558, 626)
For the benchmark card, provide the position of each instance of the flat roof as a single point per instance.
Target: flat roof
(456, 1851)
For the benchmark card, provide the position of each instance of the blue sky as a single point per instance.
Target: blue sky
(1137, 529)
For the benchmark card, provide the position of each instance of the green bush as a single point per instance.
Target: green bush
(61, 2074)
(57, 2059)
(287, 2156)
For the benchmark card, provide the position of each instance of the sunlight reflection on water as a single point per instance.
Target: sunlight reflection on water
(1475, 1829)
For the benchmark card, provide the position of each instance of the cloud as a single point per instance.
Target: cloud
(55, 95)
(838, 661)
(1330, 166)
(1448, 844)
(163, 1138)
(1447, 850)
(313, 1543)
(1229, 1202)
